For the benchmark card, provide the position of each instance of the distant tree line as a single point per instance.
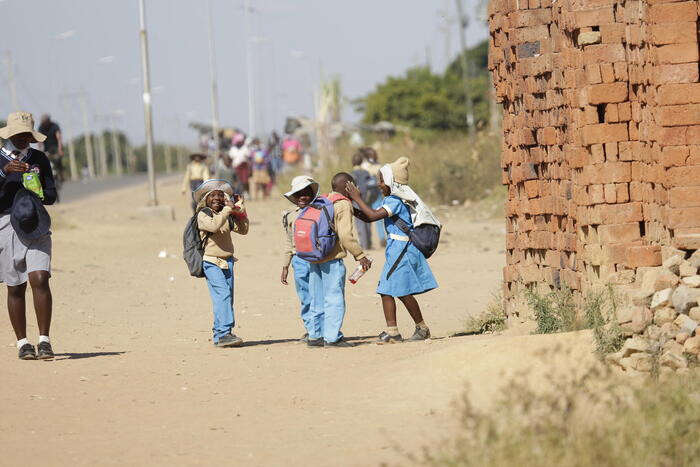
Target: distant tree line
(424, 99)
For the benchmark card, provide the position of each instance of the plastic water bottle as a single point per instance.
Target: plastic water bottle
(358, 272)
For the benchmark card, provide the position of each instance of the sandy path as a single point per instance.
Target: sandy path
(137, 381)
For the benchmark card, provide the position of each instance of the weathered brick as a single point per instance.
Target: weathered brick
(674, 32)
(688, 175)
(672, 94)
(603, 53)
(672, 12)
(683, 217)
(679, 73)
(687, 196)
(674, 155)
(611, 113)
(677, 115)
(526, 18)
(648, 255)
(677, 53)
(617, 233)
(605, 133)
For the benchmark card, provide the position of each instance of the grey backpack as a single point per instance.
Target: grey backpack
(193, 247)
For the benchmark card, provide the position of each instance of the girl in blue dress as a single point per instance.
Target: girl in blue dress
(404, 275)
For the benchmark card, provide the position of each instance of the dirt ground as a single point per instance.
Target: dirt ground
(137, 381)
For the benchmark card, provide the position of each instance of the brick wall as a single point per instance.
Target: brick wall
(601, 138)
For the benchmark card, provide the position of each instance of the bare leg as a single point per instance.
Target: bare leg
(411, 304)
(39, 280)
(16, 307)
(389, 306)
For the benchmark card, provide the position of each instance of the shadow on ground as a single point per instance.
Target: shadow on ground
(76, 356)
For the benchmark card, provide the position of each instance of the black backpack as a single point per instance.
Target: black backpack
(367, 185)
(425, 237)
(193, 247)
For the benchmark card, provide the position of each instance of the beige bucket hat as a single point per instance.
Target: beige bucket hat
(299, 183)
(20, 122)
(207, 186)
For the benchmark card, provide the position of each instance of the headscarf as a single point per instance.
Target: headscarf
(419, 211)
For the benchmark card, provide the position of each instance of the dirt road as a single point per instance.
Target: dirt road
(137, 381)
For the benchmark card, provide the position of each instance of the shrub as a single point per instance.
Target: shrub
(581, 420)
(493, 319)
(555, 312)
(600, 310)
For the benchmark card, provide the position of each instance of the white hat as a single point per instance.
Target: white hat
(299, 183)
(208, 186)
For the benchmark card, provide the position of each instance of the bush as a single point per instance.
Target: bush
(584, 420)
(600, 309)
(493, 319)
(555, 312)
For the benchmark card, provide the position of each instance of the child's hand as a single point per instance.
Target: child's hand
(353, 191)
(285, 273)
(366, 264)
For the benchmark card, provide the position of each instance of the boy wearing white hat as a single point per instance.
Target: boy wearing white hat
(25, 242)
(304, 191)
(220, 213)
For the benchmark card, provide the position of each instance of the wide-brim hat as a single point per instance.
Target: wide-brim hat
(208, 186)
(20, 122)
(197, 155)
(29, 217)
(298, 184)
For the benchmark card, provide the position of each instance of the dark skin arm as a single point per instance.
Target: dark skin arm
(369, 214)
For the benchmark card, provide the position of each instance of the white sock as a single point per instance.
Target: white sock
(44, 339)
(21, 342)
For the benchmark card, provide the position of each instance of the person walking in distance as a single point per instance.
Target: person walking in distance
(195, 173)
(53, 145)
(26, 184)
(371, 165)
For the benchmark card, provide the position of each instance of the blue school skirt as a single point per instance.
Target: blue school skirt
(412, 275)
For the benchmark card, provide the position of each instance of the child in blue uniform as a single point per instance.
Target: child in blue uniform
(403, 276)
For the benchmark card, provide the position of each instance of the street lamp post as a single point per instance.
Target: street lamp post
(147, 114)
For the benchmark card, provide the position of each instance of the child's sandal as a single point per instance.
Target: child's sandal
(385, 338)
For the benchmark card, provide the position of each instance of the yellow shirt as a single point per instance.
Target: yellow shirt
(194, 171)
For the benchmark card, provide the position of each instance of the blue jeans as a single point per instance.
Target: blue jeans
(381, 230)
(220, 283)
(327, 287)
(301, 281)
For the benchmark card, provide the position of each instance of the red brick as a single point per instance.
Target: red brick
(680, 73)
(647, 255)
(607, 72)
(687, 239)
(605, 133)
(677, 53)
(621, 71)
(622, 194)
(611, 114)
(531, 34)
(672, 12)
(621, 213)
(596, 194)
(603, 53)
(671, 94)
(597, 154)
(678, 115)
(674, 33)
(687, 196)
(593, 74)
(618, 233)
(688, 175)
(610, 193)
(594, 17)
(683, 217)
(672, 136)
(526, 18)
(624, 111)
(674, 156)
(612, 33)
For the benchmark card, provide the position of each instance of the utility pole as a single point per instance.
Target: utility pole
(249, 65)
(104, 167)
(214, 86)
(168, 158)
(466, 71)
(116, 148)
(88, 140)
(147, 115)
(74, 175)
(11, 80)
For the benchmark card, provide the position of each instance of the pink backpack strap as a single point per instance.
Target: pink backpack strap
(337, 197)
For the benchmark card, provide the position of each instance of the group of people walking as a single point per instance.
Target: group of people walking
(315, 249)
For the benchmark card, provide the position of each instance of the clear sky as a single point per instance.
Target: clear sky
(59, 47)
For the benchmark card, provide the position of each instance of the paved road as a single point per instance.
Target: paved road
(77, 190)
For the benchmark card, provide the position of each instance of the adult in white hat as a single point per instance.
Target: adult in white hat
(303, 192)
(220, 213)
(25, 244)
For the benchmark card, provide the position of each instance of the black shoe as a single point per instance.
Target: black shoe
(315, 342)
(45, 351)
(305, 338)
(420, 334)
(229, 340)
(339, 343)
(27, 352)
(385, 338)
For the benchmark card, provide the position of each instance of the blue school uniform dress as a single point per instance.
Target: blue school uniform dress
(412, 275)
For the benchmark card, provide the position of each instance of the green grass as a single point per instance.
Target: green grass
(555, 311)
(492, 319)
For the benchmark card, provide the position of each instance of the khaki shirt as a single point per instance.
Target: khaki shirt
(194, 171)
(288, 219)
(219, 226)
